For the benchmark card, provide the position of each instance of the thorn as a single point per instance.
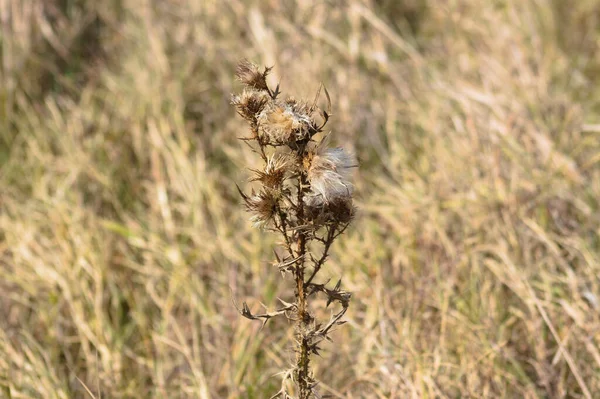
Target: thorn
(277, 256)
(337, 286)
(276, 92)
(286, 304)
(317, 95)
(328, 99)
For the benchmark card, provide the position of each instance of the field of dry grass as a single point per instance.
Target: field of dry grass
(474, 261)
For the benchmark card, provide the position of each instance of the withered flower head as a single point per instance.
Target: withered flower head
(329, 170)
(262, 205)
(249, 74)
(274, 173)
(250, 103)
(339, 210)
(285, 123)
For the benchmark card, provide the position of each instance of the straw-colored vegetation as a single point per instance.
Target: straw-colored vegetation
(474, 259)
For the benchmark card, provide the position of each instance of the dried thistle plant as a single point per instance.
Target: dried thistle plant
(305, 197)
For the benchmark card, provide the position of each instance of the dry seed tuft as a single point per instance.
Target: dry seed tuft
(329, 171)
(339, 210)
(249, 75)
(285, 123)
(250, 103)
(262, 205)
(274, 173)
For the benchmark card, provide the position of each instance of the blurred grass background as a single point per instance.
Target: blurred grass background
(475, 258)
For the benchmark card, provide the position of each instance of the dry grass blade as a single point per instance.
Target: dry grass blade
(572, 365)
(86, 388)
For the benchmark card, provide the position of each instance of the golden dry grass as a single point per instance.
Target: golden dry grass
(475, 259)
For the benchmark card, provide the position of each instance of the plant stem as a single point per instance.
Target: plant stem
(303, 356)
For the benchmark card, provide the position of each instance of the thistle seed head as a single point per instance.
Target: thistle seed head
(249, 75)
(339, 210)
(250, 103)
(274, 173)
(262, 205)
(285, 123)
(329, 171)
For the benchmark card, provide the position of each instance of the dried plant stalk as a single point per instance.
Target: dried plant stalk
(306, 197)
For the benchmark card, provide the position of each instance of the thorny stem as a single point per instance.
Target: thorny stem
(319, 263)
(303, 356)
(282, 227)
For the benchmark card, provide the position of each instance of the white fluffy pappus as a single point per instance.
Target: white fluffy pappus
(284, 123)
(330, 171)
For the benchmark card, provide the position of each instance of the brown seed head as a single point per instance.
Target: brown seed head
(262, 205)
(274, 173)
(282, 123)
(249, 75)
(339, 210)
(250, 103)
